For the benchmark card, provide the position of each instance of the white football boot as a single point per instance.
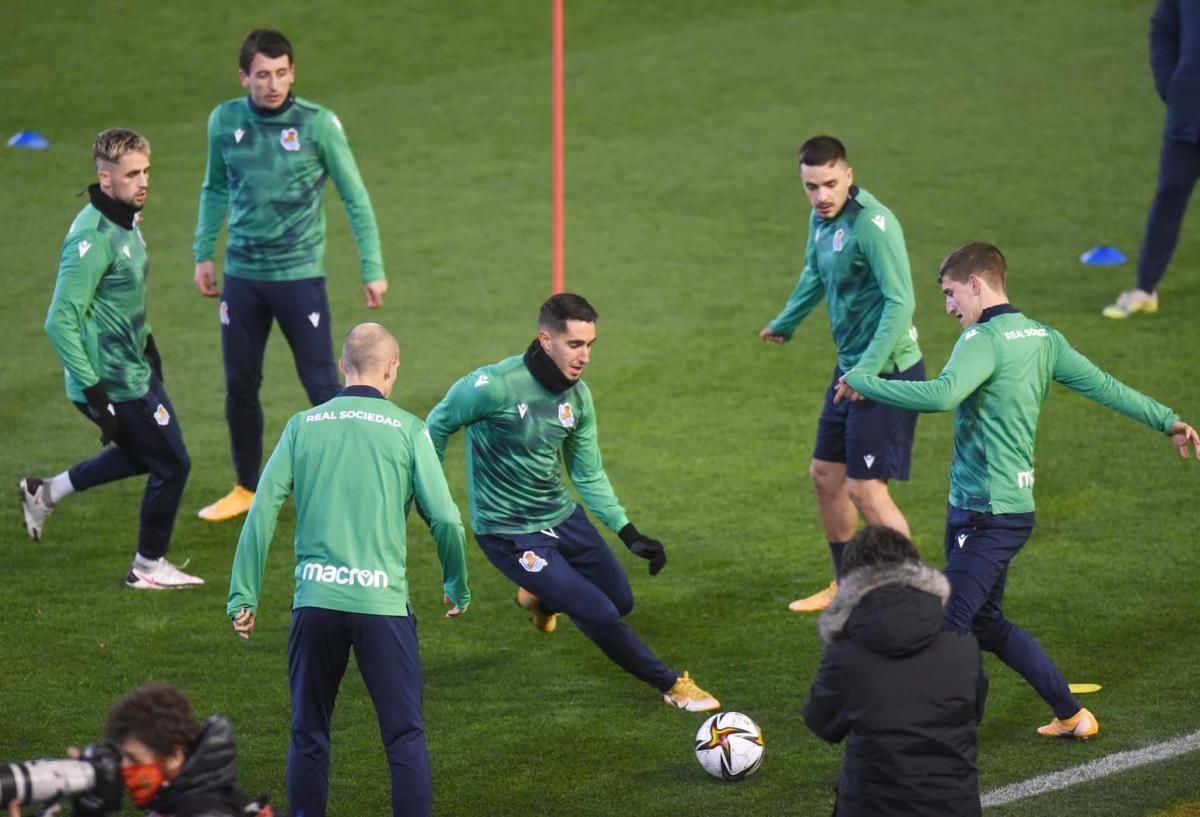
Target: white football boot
(162, 576)
(35, 495)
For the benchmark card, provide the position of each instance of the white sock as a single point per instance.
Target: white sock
(59, 488)
(142, 563)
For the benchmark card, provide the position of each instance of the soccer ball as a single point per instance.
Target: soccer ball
(730, 746)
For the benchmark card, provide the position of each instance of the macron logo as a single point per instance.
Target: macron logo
(329, 574)
(522, 408)
(962, 540)
(869, 459)
(879, 222)
(238, 134)
(314, 318)
(971, 334)
(84, 246)
(126, 252)
(481, 381)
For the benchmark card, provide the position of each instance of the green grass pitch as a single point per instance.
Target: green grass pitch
(1032, 125)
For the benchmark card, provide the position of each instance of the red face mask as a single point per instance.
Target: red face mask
(143, 781)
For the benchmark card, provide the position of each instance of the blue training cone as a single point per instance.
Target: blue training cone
(1103, 256)
(29, 139)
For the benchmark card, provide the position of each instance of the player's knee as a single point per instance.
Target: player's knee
(624, 603)
(826, 477)
(183, 467)
(242, 384)
(867, 494)
(958, 616)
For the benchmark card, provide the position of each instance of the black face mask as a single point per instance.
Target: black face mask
(544, 370)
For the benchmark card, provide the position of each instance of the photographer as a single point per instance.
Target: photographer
(170, 763)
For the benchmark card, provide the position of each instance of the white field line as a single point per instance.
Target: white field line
(1093, 770)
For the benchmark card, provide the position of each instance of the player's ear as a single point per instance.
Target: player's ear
(244, 77)
(544, 339)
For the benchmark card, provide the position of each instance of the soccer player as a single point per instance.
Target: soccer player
(1175, 63)
(355, 464)
(269, 154)
(857, 261)
(997, 379)
(525, 417)
(97, 325)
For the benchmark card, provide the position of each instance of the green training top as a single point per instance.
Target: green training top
(857, 261)
(268, 170)
(354, 464)
(97, 317)
(998, 376)
(516, 429)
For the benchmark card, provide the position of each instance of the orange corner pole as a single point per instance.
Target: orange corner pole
(558, 282)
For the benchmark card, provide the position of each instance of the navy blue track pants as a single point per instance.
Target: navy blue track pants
(979, 548)
(247, 311)
(571, 569)
(149, 441)
(388, 658)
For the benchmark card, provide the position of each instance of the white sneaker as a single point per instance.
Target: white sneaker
(34, 495)
(163, 576)
(1131, 301)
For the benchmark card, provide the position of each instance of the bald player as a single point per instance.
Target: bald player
(354, 465)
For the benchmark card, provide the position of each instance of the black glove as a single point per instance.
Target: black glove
(153, 357)
(102, 412)
(644, 547)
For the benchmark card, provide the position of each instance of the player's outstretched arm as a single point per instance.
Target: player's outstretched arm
(1183, 435)
(971, 363)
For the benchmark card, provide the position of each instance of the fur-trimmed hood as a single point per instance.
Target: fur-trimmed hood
(905, 607)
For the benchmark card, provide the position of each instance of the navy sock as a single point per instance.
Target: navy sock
(835, 550)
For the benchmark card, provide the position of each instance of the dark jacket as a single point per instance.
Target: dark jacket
(1175, 63)
(206, 786)
(908, 693)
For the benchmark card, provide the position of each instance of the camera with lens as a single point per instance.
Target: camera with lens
(92, 782)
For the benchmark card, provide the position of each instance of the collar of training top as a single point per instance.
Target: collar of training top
(999, 309)
(115, 211)
(287, 103)
(361, 391)
(545, 370)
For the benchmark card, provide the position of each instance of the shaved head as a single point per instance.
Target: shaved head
(370, 355)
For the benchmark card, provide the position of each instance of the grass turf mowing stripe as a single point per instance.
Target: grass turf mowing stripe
(1093, 770)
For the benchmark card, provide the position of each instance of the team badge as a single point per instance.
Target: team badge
(838, 238)
(532, 562)
(565, 416)
(223, 313)
(161, 415)
(290, 139)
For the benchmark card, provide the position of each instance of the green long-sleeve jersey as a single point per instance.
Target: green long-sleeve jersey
(519, 434)
(354, 465)
(998, 376)
(267, 170)
(858, 263)
(97, 317)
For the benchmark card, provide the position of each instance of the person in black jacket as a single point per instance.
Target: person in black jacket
(907, 693)
(172, 764)
(1175, 63)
